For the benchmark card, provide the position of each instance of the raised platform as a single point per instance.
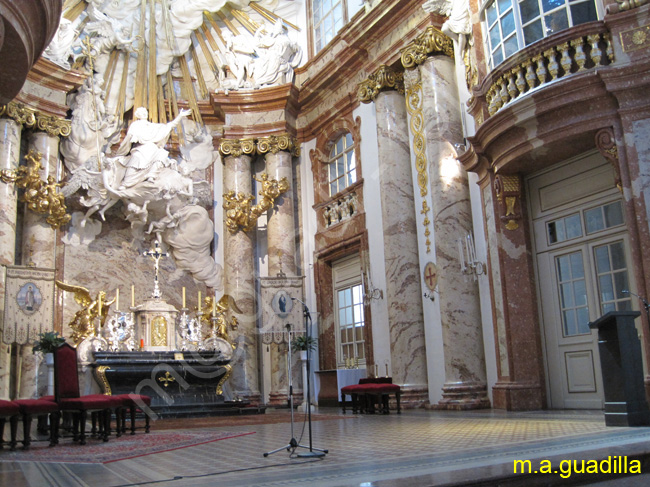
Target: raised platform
(181, 384)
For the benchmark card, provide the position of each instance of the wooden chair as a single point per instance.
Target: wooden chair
(10, 411)
(38, 407)
(66, 393)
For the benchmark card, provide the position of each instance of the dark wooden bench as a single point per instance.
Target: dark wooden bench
(370, 392)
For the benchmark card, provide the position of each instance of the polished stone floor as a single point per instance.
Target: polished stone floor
(416, 448)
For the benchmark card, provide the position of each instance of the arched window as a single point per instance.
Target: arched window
(511, 25)
(342, 166)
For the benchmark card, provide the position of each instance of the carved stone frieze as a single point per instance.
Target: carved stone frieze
(341, 209)
(432, 41)
(383, 79)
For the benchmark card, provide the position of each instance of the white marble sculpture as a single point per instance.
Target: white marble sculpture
(458, 25)
(60, 49)
(277, 56)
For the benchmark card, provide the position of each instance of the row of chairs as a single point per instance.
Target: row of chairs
(68, 400)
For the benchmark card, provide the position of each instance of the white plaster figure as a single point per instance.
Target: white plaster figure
(277, 56)
(61, 46)
(458, 25)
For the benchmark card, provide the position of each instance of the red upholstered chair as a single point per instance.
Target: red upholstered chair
(38, 407)
(66, 393)
(132, 402)
(10, 411)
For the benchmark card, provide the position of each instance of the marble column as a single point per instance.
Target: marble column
(403, 289)
(239, 282)
(10, 134)
(38, 249)
(281, 239)
(465, 375)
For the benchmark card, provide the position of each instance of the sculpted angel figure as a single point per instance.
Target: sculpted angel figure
(458, 25)
(61, 46)
(221, 307)
(144, 144)
(277, 56)
(83, 323)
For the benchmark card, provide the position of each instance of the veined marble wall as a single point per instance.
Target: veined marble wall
(10, 134)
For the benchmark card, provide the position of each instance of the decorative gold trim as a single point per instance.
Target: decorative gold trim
(224, 379)
(236, 147)
(100, 373)
(508, 191)
(40, 196)
(414, 102)
(432, 41)
(635, 39)
(261, 145)
(277, 143)
(166, 379)
(27, 117)
(241, 213)
(383, 79)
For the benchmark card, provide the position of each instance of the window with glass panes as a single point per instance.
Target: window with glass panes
(349, 311)
(342, 166)
(328, 18)
(512, 25)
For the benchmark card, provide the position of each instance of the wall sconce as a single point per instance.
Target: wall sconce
(469, 264)
(370, 291)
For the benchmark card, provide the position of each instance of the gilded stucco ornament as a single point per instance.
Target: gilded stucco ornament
(240, 211)
(237, 147)
(432, 41)
(94, 311)
(277, 143)
(508, 191)
(383, 79)
(54, 126)
(40, 196)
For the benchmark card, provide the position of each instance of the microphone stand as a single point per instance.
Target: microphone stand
(293, 443)
(313, 452)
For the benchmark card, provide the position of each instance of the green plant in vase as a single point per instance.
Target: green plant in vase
(47, 342)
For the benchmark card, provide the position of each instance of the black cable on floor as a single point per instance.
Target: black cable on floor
(185, 477)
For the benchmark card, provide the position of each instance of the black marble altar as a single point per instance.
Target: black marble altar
(622, 368)
(179, 383)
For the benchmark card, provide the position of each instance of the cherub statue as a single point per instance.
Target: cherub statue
(221, 307)
(83, 324)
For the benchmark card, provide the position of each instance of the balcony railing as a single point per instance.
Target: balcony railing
(575, 50)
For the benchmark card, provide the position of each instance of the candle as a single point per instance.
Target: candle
(376, 370)
(141, 343)
(99, 305)
(199, 301)
(214, 306)
(460, 255)
(117, 299)
(183, 297)
(133, 295)
(386, 369)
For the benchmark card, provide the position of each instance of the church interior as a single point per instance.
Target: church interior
(416, 226)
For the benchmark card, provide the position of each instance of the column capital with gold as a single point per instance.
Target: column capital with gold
(260, 145)
(29, 118)
(431, 42)
(383, 78)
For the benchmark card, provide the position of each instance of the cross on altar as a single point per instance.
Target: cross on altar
(156, 254)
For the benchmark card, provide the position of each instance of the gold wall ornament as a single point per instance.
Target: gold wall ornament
(159, 332)
(166, 379)
(432, 41)
(414, 102)
(383, 79)
(240, 211)
(53, 126)
(223, 380)
(277, 143)
(22, 115)
(83, 323)
(216, 316)
(508, 191)
(237, 147)
(100, 373)
(40, 196)
(606, 144)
